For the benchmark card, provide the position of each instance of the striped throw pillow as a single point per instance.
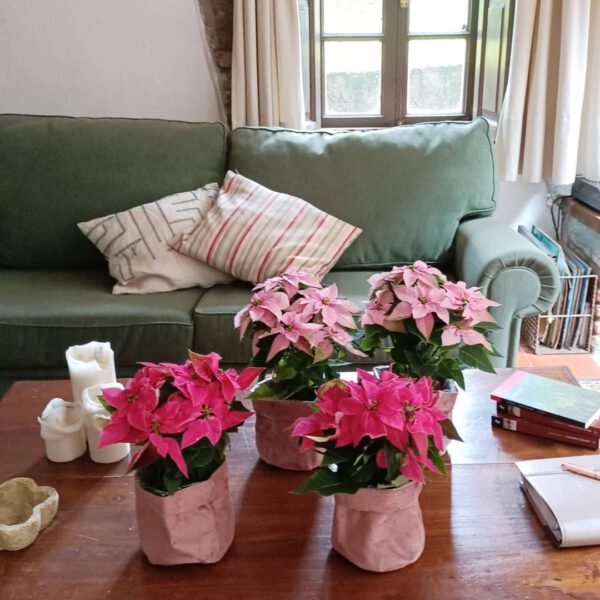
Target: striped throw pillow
(254, 233)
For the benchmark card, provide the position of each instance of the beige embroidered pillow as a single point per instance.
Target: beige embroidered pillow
(135, 242)
(255, 233)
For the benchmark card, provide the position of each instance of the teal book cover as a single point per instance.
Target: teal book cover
(562, 400)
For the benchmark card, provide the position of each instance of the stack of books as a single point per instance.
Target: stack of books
(546, 408)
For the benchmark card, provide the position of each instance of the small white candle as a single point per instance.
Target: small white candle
(96, 418)
(90, 364)
(61, 428)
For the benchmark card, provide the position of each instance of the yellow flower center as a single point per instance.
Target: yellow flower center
(410, 411)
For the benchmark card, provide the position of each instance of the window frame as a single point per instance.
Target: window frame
(394, 72)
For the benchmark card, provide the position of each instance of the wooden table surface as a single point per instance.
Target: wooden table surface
(483, 541)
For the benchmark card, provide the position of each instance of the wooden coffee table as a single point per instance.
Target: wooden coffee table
(483, 541)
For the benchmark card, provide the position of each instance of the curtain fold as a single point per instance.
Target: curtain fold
(549, 128)
(266, 72)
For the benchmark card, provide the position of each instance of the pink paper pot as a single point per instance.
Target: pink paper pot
(274, 441)
(379, 530)
(194, 525)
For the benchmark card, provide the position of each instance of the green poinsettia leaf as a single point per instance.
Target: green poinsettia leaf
(282, 373)
(263, 392)
(109, 409)
(172, 482)
(476, 356)
(400, 481)
(436, 459)
(391, 459)
(323, 478)
(485, 326)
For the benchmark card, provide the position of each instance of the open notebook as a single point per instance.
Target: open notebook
(568, 505)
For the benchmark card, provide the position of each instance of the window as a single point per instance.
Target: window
(374, 63)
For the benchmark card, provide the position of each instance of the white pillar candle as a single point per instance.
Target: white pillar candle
(62, 429)
(90, 364)
(96, 418)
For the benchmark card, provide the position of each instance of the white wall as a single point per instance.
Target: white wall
(522, 203)
(117, 58)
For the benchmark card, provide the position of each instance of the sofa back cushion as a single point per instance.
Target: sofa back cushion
(58, 171)
(407, 187)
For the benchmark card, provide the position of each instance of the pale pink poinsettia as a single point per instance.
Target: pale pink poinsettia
(394, 276)
(316, 320)
(378, 308)
(462, 331)
(470, 301)
(324, 339)
(421, 272)
(291, 330)
(325, 302)
(291, 281)
(424, 303)
(266, 306)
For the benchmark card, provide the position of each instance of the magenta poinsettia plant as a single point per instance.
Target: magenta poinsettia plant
(379, 432)
(300, 331)
(179, 416)
(431, 326)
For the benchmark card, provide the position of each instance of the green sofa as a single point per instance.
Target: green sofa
(419, 192)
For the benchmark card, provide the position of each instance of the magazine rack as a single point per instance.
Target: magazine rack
(538, 330)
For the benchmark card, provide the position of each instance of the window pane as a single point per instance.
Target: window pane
(353, 78)
(438, 16)
(304, 16)
(436, 71)
(352, 16)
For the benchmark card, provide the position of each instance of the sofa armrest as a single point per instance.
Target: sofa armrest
(511, 271)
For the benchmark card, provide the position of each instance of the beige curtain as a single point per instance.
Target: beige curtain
(266, 86)
(549, 128)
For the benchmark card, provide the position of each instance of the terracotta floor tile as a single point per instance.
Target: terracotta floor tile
(582, 365)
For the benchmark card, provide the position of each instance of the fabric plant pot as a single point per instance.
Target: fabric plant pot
(194, 525)
(379, 529)
(274, 441)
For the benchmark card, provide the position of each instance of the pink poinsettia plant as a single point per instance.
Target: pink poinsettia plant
(378, 432)
(179, 416)
(431, 326)
(300, 331)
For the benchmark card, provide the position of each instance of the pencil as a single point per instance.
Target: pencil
(581, 471)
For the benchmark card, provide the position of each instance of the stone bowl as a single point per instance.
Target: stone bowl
(25, 509)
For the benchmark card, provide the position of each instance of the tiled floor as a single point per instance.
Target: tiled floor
(582, 365)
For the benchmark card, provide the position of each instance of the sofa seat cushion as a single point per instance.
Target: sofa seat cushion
(43, 312)
(407, 187)
(213, 316)
(56, 172)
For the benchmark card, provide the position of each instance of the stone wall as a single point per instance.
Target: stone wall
(218, 20)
